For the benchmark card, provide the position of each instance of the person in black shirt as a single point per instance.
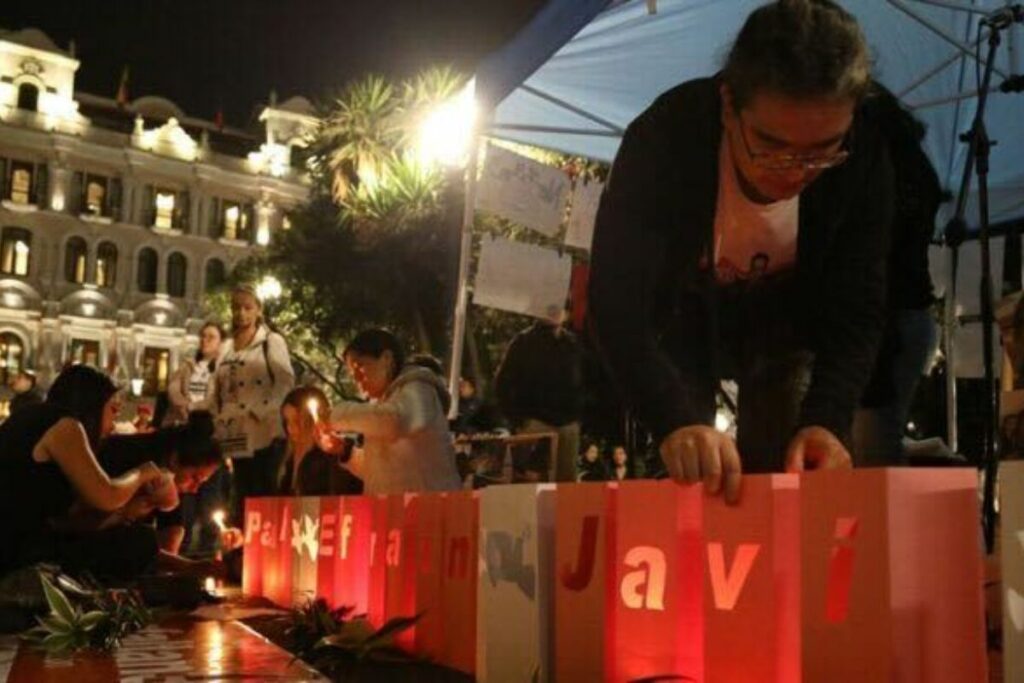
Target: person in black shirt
(773, 157)
(540, 388)
(48, 463)
(188, 451)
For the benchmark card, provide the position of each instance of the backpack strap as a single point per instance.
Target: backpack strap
(266, 359)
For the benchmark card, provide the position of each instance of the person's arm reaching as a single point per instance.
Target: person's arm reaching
(67, 445)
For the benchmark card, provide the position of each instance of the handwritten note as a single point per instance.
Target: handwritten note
(522, 278)
(585, 199)
(523, 191)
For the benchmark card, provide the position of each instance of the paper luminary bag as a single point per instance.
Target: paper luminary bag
(892, 576)
(392, 551)
(459, 580)
(422, 557)
(281, 558)
(331, 513)
(656, 581)
(514, 608)
(256, 516)
(584, 535)
(752, 583)
(1011, 513)
(352, 554)
(382, 516)
(305, 546)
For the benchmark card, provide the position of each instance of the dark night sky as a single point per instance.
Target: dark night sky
(210, 54)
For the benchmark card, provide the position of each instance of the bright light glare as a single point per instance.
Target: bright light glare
(269, 288)
(218, 517)
(445, 133)
(722, 421)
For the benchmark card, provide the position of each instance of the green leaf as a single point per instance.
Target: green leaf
(91, 620)
(58, 602)
(391, 629)
(58, 642)
(54, 624)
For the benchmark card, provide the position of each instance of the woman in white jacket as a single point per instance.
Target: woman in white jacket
(253, 376)
(406, 443)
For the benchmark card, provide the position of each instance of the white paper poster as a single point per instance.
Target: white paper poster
(585, 199)
(523, 191)
(522, 278)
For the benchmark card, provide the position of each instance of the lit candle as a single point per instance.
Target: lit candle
(314, 409)
(210, 584)
(218, 519)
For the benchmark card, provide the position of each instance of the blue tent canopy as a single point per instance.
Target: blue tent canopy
(575, 77)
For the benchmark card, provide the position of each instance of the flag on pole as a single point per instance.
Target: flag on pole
(122, 89)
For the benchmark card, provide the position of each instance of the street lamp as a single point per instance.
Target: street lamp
(446, 132)
(268, 289)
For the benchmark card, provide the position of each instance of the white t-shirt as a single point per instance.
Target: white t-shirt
(751, 239)
(198, 382)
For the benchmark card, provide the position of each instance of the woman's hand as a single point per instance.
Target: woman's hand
(231, 538)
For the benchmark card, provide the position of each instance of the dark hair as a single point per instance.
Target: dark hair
(374, 342)
(800, 48)
(199, 351)
(299, 398)
(83, 392)
(192, 444)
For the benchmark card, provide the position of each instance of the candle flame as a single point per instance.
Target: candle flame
(314, 408)
(218, 519)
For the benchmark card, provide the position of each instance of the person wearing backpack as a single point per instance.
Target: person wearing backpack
(252, 378)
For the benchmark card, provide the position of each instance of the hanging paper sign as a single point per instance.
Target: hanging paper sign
(585, 199)
(515, 583)
(522, 278)
(522, 190)
(891, 576)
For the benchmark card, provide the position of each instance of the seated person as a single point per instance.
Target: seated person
(48, 463)
(407, 445)
(308, 470)
(592, 466)
(191, 455)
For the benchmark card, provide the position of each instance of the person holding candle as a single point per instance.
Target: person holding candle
(48, 463)
(407, 445)
(187, 452)
(307, 469)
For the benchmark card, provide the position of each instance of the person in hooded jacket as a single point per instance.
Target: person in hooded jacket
(407, 446)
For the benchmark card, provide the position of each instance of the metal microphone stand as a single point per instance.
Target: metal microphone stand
(978, 162)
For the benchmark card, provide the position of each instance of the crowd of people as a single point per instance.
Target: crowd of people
(768, 225)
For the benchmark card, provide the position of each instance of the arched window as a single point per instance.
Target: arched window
(76, 255)
(28, 97)
(177, 274)
(12, 357)
(106, 265)
(146, 275)
(15, 251)
(215, 274)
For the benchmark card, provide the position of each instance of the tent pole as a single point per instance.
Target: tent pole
(958, 6)
(462, 297)
(949, 325)
(965, 48)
